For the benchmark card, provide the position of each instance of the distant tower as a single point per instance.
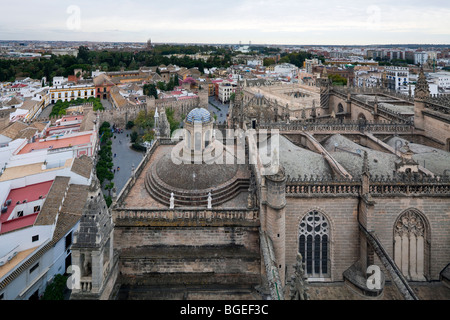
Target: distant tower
(149, 44)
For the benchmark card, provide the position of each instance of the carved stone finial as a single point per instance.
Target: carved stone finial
(298, 288)
(365, 168)
(422, 90)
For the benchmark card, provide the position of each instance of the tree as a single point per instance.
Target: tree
(338, 79)
(150, 90)
(109, 187)
(170, 113)
(129, 125)
(55, 290)
(161, 85)
(133, 136)
(83, 54)
(268, 62)
(144, 120)
(148, 136)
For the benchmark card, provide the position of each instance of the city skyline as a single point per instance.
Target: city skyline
(280, 22)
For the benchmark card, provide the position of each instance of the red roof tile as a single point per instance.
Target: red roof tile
(58, 143)
(29, 193)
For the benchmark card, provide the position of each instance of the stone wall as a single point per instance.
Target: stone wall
(189, 256)
(132, 237)
(437, 129)
(436, 211)
(341, 213)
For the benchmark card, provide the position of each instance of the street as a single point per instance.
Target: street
(220, 111)
(125, 159)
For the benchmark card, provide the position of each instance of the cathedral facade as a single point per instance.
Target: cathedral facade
(285, 200)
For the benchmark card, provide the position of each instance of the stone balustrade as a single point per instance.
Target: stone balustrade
(378, 186)
(337, 125)
(186, 214)
(86, 284)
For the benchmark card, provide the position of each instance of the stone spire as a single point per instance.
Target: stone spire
(238, 113)
(313, 110)
(422, 90)
(365, 176)
(365, 168)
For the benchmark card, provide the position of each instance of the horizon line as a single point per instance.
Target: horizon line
(241, 44)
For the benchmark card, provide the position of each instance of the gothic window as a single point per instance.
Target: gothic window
(340, 108)
(409, 245)
(314, 244)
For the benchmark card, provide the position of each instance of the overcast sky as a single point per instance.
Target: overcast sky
(331, 22)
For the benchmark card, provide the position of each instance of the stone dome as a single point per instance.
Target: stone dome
(198, 115)
(191, 184)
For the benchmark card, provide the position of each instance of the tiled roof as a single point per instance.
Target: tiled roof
(68, 218)
(13, 129)
(57, 143)
(53, 201)
(82, 166)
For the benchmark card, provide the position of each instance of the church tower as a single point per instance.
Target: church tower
(92, 250)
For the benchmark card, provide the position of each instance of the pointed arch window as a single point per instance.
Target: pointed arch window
(314, 244)
(409, 245)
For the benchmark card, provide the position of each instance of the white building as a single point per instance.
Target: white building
(255, 62)
(42, 196)
(59, 81)
(68, 93)
(287, 70)
(420, 58)
(226, 88)
(441, 79)
(397, 78)
(37, 243)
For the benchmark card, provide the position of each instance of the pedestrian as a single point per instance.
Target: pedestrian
(114, 155)
(118, 168)
(114, 171)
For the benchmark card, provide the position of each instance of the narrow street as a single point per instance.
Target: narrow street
(125, 158)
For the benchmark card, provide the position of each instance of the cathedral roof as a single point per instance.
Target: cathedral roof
(298, 161)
